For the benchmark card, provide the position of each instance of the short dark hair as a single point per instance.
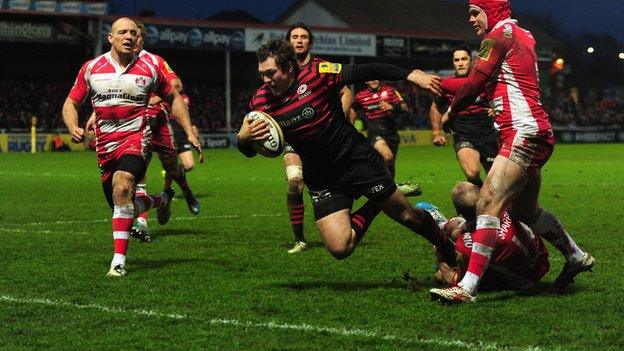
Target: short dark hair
(462, 48)
(302, 26)
(281, 51)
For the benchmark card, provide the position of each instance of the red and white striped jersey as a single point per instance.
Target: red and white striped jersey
(120, 97)
(519, 255)
(508, 56)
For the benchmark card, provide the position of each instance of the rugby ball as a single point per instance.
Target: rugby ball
(273, 146)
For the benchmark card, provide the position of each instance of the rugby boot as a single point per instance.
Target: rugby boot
(298, 246)
(455, 294)
(164, 210)
(117, 271)
(409, 189)
(191, 201)
(571, 270)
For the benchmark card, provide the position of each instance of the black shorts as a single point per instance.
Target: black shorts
(132, 164)
(335, 188)
(392, 139)
(289, 149)
(486, 145)
(181, 141)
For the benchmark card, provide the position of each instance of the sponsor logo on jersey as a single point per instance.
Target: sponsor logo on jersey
(486, 49)
(329, 67)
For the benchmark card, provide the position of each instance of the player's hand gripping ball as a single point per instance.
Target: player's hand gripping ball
(272, 146)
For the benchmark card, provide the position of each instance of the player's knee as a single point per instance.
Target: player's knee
(340, 253)
(294, 177)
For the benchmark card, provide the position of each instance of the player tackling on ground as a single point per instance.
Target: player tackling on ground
(475, 138)
(339, 163)
(519, 259)
(508, 61)
(121, 84)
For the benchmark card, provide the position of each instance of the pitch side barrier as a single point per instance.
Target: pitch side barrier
(43, 142)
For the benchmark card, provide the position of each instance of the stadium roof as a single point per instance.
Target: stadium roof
(419, 18)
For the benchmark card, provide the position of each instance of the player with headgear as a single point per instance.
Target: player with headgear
(508, 62)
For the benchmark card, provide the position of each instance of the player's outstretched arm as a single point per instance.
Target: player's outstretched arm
(425, 81)
(70, 117)
(467, 94)
(359, 73)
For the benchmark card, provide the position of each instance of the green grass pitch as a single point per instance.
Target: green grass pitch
(223, 280)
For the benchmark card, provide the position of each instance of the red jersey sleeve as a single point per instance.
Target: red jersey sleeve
(331, 73)
(494, 48)
(166, 69)
(81, 88)
(162, 86)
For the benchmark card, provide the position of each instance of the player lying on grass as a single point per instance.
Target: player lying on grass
(519, 260)
(339, 164)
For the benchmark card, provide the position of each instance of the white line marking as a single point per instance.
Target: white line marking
(105, 220)
(269, 325)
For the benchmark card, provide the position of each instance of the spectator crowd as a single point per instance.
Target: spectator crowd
(22, 99)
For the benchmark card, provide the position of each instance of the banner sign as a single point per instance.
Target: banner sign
(325, 43)
(390, 46)
(45, 5)
(22, 5)
(217, 140)
(254, 37)
(70, 6)
(589, 135)
(187, 37)
(35, 32)
(420, 47)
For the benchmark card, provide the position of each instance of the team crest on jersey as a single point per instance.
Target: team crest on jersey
(328, 67)
(486, 49)
(302, 89)
(141, 82)
(507, 31)
(384, 93)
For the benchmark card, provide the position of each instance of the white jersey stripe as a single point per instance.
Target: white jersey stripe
(521, 116)
(120, 125)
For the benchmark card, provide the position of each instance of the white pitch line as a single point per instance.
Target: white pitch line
(337, 331)
(87, 221)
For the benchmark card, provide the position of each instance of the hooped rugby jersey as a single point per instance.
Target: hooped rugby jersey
(310, 115)
(378, 120)
(120, 96)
